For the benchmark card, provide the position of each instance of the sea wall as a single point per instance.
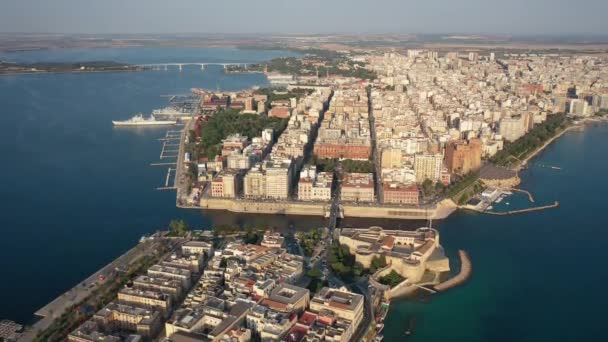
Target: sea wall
(253, 207)
(439, 211)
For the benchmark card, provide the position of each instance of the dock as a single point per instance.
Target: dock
(163, 164)
(466, 269)
(170, 149)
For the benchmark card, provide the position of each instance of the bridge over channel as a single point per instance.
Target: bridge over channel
(180, 65)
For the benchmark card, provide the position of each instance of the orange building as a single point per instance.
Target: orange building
(343, 151)
(401, 194)
(279, 112)
(462, 157)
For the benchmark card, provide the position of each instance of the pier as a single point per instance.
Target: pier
(168, 150)
(425, 288)
(530, 197)
(466, 268)
(521, 211)
(163, 164)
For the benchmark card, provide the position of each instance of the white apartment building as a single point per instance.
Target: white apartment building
(428, 166)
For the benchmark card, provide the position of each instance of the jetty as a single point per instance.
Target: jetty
(466, 268)
(530, 197)
(521, 211)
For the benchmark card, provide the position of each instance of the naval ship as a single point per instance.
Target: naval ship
(139, 120)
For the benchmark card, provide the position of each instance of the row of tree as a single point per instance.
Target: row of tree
(520, 148)
(348, 165)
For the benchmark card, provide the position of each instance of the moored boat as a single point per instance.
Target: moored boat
(139, 120)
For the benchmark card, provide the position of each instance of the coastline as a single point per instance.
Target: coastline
(545, 145)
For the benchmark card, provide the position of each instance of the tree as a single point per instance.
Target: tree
(439, 187)
(358, 269)
(178, 227)
(377, 263)
(315, 273)
(427, 187)
(392, 279)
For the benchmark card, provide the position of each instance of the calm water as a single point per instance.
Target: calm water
(77, 192)
(537, 276)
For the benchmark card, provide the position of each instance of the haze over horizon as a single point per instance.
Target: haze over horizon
(516, 17)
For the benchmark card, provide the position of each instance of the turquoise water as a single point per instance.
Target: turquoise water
(537, 276)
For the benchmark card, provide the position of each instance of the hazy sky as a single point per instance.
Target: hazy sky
(305, 16)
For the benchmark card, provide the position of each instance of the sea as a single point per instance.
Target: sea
(77, 192)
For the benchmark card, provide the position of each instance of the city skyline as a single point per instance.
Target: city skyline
(519, 17)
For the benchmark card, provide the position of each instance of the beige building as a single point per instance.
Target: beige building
(238, 161)
(166, 285)
(391, 158)
(358, 187)
(150, 299)
(185, 276)
(278, 179)
(579, 107)
(343, 304)
(514, 127)
(119, 317)
(227, 184)
(314, 186)
(90, 331)
(197, 247)
(288, 298)
(428, 166)
(254, 183)
(407, 252)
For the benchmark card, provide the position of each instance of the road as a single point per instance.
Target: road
(180, 169)
(368, 312)
(376, 161)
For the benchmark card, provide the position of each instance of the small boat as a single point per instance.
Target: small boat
(410, 329)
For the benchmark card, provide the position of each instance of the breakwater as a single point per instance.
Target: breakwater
(466, 268)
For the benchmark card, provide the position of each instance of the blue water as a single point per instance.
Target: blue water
(146, 55)
(537, 276)
(77, 192)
